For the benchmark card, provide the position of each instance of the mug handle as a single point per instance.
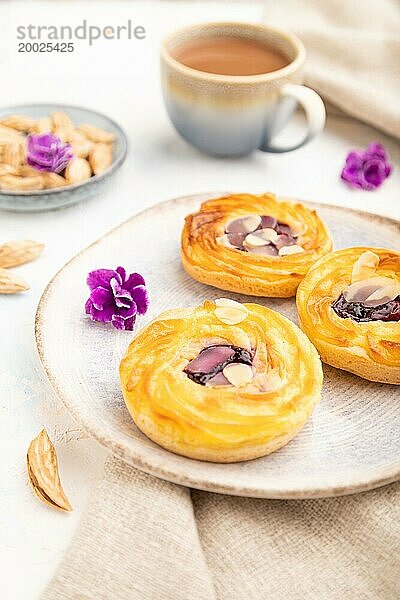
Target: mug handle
(314, 109)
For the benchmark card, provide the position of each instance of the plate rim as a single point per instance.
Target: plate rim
(375, 479)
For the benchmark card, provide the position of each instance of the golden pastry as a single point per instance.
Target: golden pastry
(223, 382)
(256, 245)
(349, 306)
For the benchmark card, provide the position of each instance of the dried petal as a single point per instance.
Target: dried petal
(43, 472)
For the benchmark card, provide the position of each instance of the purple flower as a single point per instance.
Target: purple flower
(367, 169)
(115, 298)
(46, 152)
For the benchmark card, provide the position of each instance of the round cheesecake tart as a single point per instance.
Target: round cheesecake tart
(349, 307)
(222, 382)
(255, 245)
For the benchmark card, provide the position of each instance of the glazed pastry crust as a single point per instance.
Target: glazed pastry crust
(210, 262)
(370, 350)
(220, 424)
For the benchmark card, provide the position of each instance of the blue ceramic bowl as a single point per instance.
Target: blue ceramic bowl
(40, 200)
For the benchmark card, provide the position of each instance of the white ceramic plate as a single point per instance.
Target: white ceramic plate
(346, 446)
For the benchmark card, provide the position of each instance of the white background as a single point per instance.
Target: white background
(121, 79)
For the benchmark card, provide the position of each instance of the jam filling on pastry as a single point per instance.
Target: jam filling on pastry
(361, 313)
(262, 235)
(207, 368)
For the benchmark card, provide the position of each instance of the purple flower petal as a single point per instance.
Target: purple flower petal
(100, 297)
(101, 277)
(133, 280)
(47, 152)
(367, 169)
(141, 298)
(115, 299)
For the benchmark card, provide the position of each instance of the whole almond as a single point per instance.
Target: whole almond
(42, 125)
(11, 283)
(77, 170)
(14, 153)
(7, 170)
(81, 145)
(60, 120)
(8, 134)
(19, 252)
(100, 158)
(96, 134)
(16, 183)
(18, 122)
(53, 180)
(27, 171)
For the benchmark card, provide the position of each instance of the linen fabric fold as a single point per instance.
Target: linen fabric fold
(353, 54)
(146, 539)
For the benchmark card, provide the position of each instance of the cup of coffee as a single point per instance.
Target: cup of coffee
(229, 88)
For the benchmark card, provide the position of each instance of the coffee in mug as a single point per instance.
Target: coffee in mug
(226, 55)
(229, 88)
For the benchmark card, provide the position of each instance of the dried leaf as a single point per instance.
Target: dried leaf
(43, 472)
(100, 158)
(11, 283)
(19, 252)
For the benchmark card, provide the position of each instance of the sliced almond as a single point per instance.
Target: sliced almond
(16, 183)
(262, 237)
(244, 224)
(100, 158)
(383, 295)
(238, 374)
(11, 283)
(365, 266)
(229, 311)
(43, 472)
(288, 250)
(96, 134)
(361, 290)
(19, 252)
(18, 122)
(77, 170)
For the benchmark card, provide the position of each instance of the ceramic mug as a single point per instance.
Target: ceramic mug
(232, 115)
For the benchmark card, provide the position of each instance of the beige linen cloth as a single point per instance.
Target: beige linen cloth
(353, 53)
(146, 539)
